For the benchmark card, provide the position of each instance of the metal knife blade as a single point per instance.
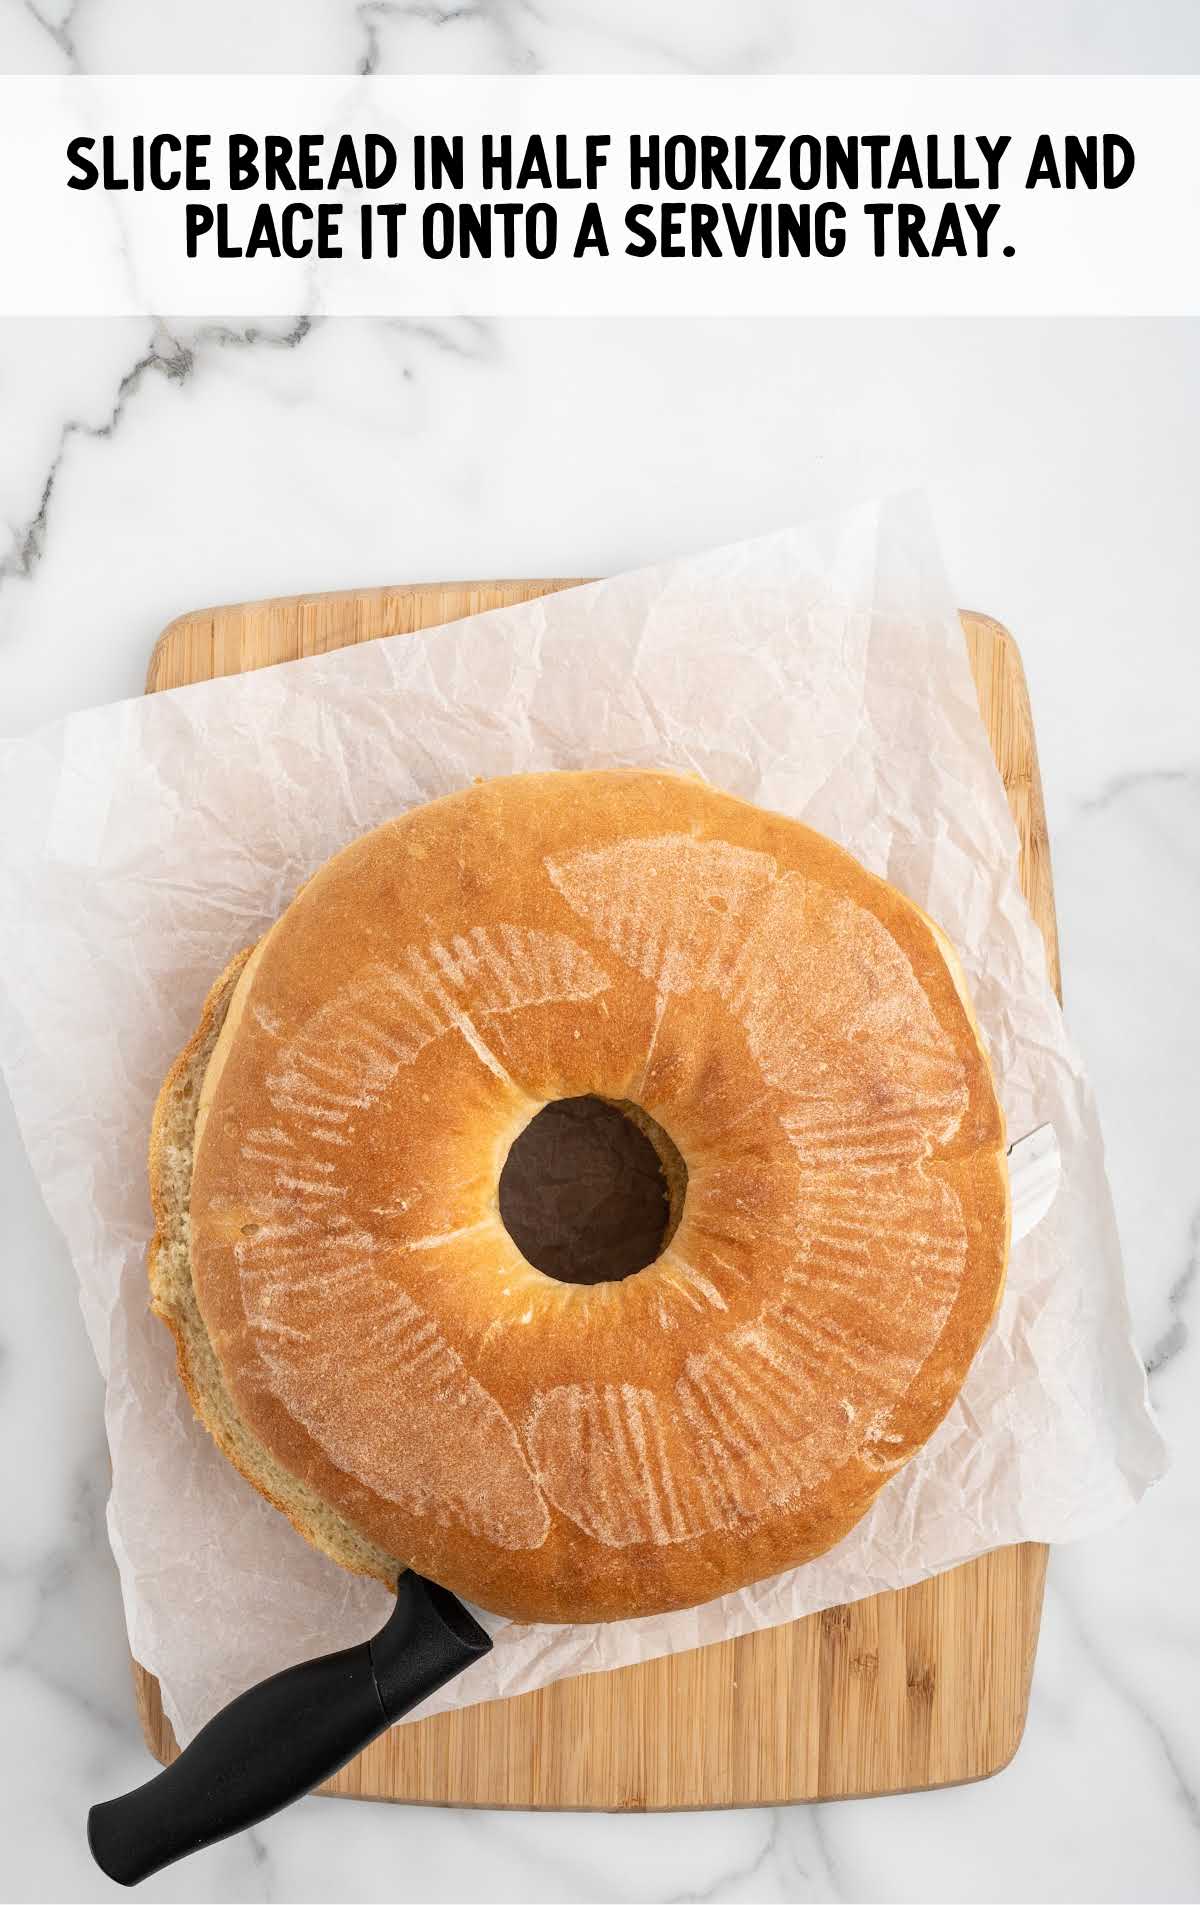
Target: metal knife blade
(1034, 1169)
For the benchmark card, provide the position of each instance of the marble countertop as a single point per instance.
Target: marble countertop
(149, 468)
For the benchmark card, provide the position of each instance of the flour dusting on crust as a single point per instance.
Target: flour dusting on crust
(774, 1024)
(348, 1053)
(423, 1433)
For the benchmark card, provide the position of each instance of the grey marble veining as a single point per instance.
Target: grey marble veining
(148, 468)
(526, 36)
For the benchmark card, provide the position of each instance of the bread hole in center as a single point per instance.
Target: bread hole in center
(592, 1191)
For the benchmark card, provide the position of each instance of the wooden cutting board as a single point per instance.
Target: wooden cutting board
(926, 1687)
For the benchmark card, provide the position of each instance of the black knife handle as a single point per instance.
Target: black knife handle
(281, 1738)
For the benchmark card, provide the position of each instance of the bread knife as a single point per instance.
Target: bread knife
(1034, 1169)
(278, 1740)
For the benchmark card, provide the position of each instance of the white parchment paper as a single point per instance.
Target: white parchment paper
(820, 672)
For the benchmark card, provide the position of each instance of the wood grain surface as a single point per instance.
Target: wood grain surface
(926, 1687)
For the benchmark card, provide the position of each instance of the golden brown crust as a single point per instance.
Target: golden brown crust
(551, 1451)
(173, 1299)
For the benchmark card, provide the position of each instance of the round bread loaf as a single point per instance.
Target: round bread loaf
(366, 1341)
